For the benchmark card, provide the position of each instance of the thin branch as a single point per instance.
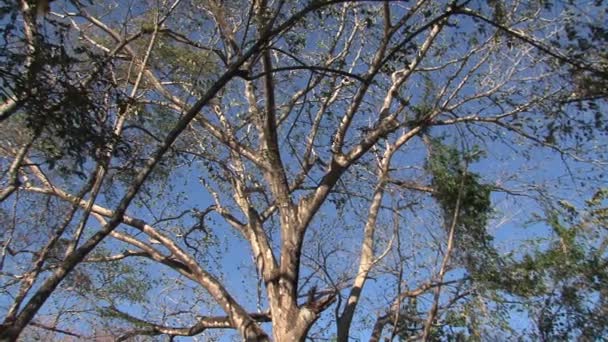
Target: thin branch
(54, 329)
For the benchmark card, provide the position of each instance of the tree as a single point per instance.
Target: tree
(359, 157)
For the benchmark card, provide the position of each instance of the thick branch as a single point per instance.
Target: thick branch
(202, 324)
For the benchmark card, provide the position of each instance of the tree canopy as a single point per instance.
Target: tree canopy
(303, 170)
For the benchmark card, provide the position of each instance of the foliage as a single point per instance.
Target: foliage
(570, 273)
(45, 73)
(454, 183)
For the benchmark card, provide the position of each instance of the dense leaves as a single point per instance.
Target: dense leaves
(59, 88)
(455, 184)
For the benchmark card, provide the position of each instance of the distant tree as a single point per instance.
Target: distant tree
(413, 170)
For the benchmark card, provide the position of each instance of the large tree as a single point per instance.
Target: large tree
(310, 169)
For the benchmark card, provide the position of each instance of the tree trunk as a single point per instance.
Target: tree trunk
(377, 330)
(292, 325)
(9, 333)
